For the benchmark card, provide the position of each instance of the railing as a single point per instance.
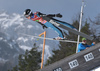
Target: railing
(83, 61)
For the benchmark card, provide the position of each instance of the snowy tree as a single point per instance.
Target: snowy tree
(29, 61)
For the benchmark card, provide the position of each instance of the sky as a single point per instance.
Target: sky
(68, 8)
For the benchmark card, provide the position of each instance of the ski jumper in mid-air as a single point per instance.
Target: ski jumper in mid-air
(36, 16)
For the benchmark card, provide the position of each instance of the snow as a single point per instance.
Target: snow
(11, 46)
(29, 26)
(96, 69)
(22, 39)
(47, 53)
(3, 60)
(3, 14)
(25, 47)
(1, 38)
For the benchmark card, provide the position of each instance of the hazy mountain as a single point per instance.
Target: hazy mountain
(14, 36)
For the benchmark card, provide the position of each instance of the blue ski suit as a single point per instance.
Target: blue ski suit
(36, 17)
(82, 46)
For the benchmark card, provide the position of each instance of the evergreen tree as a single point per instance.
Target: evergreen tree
(29, 61)
(96, 23)
(14, 68)
(86, 29)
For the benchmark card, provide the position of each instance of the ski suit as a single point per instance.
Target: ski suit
(82, 46)
(36, 17)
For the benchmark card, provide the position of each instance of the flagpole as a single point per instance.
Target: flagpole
(42, 60)
(81, 14)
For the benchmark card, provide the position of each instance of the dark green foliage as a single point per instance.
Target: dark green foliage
(62, 53)
(29, 61)
(85, 29)
(14, 68)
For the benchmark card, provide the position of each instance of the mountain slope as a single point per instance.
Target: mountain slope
(12, 43)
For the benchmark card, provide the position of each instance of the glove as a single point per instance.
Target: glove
(58, 15)
(44, 27)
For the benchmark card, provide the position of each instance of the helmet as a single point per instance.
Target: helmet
(83, 39)
(27, 12)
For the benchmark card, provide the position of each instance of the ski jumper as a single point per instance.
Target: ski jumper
(39, 19)
(82, 47)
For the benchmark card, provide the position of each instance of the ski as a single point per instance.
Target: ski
(67, 28)
(52, 39)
